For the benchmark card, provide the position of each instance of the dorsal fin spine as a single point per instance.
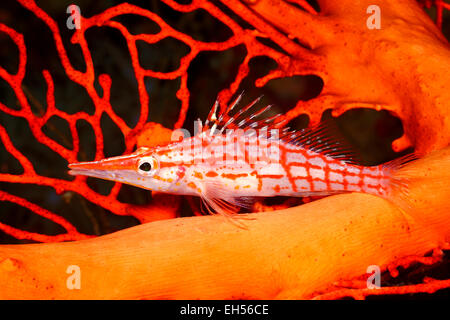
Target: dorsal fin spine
(321, 139)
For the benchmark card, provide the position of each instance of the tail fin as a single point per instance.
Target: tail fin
(420, 187)
(400, 175)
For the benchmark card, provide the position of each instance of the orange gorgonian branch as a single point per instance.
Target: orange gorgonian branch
(102, 103)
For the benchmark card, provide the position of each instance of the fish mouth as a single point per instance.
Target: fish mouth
(125, 176)
(113, 163)
(85, 167)
(115, 168)
(121, 176)
(102, 174)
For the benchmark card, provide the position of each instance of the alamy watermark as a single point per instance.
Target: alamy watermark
(231, 145)
(374, 20)
(74, 20)
(73, 281)
(374, 280)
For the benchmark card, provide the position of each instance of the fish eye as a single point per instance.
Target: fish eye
(147, 165)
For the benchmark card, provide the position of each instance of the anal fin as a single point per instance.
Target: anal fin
(218, 199)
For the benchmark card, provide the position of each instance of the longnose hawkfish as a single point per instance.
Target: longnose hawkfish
(233, 159)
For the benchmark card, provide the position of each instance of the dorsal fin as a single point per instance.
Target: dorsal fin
(223, 120)
(325, 139)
